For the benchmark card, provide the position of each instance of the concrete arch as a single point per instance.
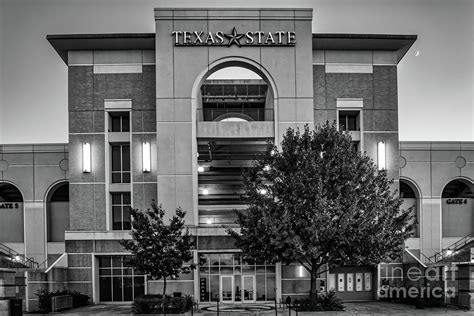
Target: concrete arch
(234, 61)
(413, 185)
(466, 180)
(8, 223)
(16, 186)
(234, 115)
(47, 208)
(52, 188)
(456, 217)
(416, 189)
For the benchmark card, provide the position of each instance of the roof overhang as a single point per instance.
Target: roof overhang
(370, 42)
(122, 41)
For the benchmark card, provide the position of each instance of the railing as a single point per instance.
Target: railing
(425, 259)
(248, 114)
(16, 257)
(61, 302)
(451, 250)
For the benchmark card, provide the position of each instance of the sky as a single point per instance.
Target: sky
(435, 88)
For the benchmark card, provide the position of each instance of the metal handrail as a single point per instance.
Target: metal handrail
(22, 259)
(425, 258)
(440, 255)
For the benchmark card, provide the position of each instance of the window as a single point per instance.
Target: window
(349, 120)
(119, 122)
(121, 218)
(356, 145)
(117, 281)
(120, 163)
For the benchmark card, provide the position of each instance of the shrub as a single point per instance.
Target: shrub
(153, 304)
(326, 302)
(44, 298)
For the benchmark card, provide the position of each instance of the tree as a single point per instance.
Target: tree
(321, 203)
(158, 249)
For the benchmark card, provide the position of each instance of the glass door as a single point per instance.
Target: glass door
(227, 289)
(248, 288)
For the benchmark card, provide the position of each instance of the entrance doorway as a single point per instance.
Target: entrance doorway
(248, 288)
(234, 278)
(239, 288)
(227, 288)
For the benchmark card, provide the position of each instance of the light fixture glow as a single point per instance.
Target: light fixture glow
(263, 191)
(17, 258)
(146, 157)
(381, 155)
(449, 252)
(200, 169)
(300, 271)
(209, 221)
(86, 157)
(205, 191)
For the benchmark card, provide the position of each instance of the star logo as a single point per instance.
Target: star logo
(234, 37)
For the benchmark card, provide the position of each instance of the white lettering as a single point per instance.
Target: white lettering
(249, 36)
(291, 38)
(270, 38)
(280, 35)
(210, 38)
(198, 37)
(220, 37)
(176, 36)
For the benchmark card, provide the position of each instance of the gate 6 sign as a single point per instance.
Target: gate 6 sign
(219, 38)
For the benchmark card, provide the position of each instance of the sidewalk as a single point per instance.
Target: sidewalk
(363, 308)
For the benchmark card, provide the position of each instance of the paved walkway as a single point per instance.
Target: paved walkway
(364, 308)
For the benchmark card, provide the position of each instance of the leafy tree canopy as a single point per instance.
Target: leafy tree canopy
(320, 201)
(159, 249)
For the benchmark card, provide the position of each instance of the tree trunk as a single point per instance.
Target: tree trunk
(313, 293)
(164, 296)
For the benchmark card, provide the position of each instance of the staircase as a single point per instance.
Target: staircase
(460, 251)
(9, 258)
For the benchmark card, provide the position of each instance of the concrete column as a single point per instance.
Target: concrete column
(466, 285)
(431, 238)
(278, 282)
(35, 230)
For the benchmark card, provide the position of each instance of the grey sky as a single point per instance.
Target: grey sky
(436, 89)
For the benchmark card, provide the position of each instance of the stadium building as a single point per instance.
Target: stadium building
(148, 120)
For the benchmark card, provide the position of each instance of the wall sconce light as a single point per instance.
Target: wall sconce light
(200, 169)
(381, 155)
(205, 192)
(146, 157)
(86, 157)
(300, 271)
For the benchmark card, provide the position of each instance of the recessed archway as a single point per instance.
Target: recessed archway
(457, 208)
(410, 196)
(11, 213)
(57, 212)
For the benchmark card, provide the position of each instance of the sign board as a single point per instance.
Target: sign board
(358, 282)
(4, 205)
(248, 38)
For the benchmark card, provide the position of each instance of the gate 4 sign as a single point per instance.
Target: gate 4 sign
(219, 38)
(456, 201)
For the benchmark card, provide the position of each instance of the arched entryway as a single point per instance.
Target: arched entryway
(57, 212)
(410, 197)
(457, 208)
(11, 214)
